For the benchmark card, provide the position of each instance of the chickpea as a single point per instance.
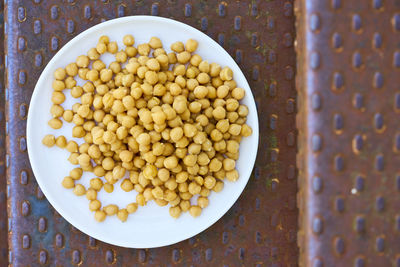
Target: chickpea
(200, 92)
(143, 49)
(49, 140)
(177, 47)
(194, 188)
(122, 215)
(246, 130)
(191, 45)
(61, 141)
(82, 61)
(170, 162)
(112, 47)
(219, 185)
(58, 97)
(183, 57)
(73, 158)
(235, 129)
(68, 182)
(219, 113)
(79, 190)
(94, 205)
(175, 212)
(58, 85)
(55, 123)
(96, 184)
(132, 208)
(226, 74)
(202, 202)
(111, 209)
(91, 194)
(195, 211)
(109, 188)
(100, 216)
(128, 40)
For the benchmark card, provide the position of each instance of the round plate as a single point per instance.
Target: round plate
(151, 225)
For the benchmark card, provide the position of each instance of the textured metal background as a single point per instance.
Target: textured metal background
(349, 132)
(3, 196)
(260, 230)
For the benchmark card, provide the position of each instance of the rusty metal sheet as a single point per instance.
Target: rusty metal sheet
(349, 142)
(259, 230)
(3, 195)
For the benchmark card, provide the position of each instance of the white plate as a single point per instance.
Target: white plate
(150, 226)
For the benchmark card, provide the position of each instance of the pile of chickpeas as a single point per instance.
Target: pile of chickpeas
(167, 124)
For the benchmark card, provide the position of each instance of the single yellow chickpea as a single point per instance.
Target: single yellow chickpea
(109, 188)
(121, 57)
(91, 194)
(175, 212)
(55, 123)
(58, 85)
(101, 48)
(157, 192)
(73, 158)
(191, 45)
(200, 92)
(184, 205)
(128, 40)
(151, 77)
(203, 78)
(60, 74)
(232, 175)
(202, 202)
(108, 163)
(131, 51)
(68, 182)
(177, 47)
(143, 49)
(100, 216)
(190, 160)
(219, 185)
(238, 93)
(61, 141)
(226, 74)
(93, 54)
(132, 208)
(229, 164)
(82, 61)
(71, 69)
(215, 165)
(155, 42)
(94, 205)
(92, 75)
(122, 215)
(215, 69)
(49, 140)
(246, 130)
(70, 82)
(96, 183)
(219, 113)
(111, 209)
(79, 190)
(235, 129)
(58, 97)
(183, 57)
(112, 47)
(195, 211)
(194, 188)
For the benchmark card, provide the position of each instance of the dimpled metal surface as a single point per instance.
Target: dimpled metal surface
(3, 180)
(259, 230)
(349, 142)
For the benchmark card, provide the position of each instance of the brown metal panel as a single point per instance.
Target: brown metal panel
(260, 230)
(3, 194)
(348, 80)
